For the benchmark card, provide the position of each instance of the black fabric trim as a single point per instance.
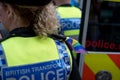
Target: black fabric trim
(59, 37)
(66, 5)
(23, 31)
(20, 32)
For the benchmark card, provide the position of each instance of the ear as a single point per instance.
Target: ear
(9, 10)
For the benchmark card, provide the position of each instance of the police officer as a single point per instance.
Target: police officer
(29, 52)
(70, 18)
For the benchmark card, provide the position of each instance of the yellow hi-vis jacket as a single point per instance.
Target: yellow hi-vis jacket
(112, 0)
(70, 19)
(33, 58)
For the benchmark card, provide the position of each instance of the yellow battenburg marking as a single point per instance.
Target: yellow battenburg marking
(73, 12)
(71, 32)
(98, 62)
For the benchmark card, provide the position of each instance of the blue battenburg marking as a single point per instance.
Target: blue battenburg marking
(3, 61)
(1, 52)
(52, 70)
(64, 56)
(0, 63)
(70, 23)
(2, 57)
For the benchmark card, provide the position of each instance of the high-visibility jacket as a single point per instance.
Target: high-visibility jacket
(112, 0)
(34, 59)
(70, 18)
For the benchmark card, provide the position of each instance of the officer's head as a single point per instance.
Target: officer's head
(37, 13)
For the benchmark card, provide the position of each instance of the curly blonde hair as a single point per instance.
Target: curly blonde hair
(42, 18)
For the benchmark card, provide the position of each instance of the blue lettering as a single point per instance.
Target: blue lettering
(24, 78)
(53, 70)
(60, 74)
(70, 24)
(50, 75)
